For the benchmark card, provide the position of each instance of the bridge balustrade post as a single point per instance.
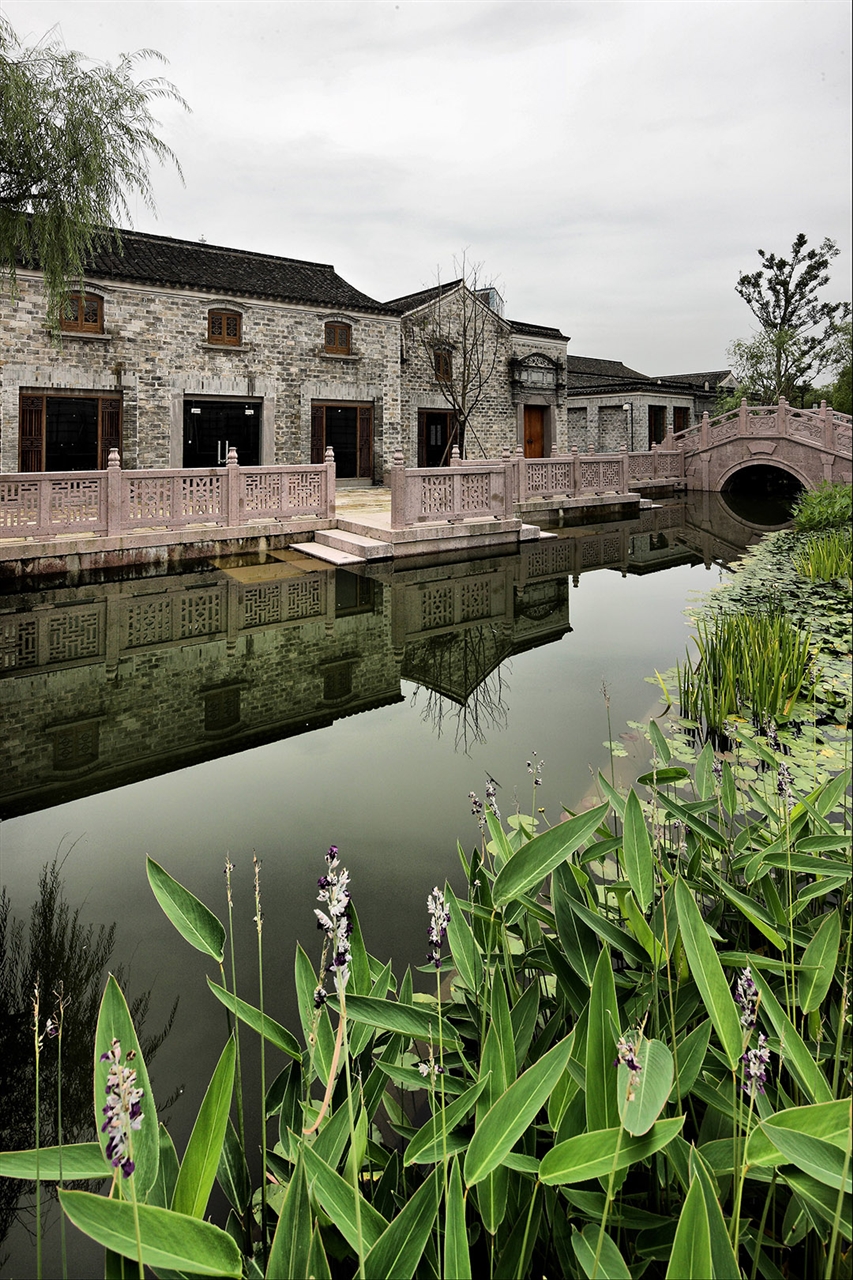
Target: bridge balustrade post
(232, 497)
(742, 417)
(703, 430)
(398, 491)
(828, 422)
(575, 478)
(114, 482)
(782, 416)
(626, 469)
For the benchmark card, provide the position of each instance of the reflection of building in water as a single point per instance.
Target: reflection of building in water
(125, 680)
(113, 682)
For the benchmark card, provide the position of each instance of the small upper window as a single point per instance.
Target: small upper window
(82, 313)
(338, 339)
(225, 328)
(443, 366)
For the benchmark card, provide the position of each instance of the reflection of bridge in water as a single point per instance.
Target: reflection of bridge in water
(113, 682)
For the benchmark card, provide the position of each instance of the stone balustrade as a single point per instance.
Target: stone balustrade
(50, 504)
(462, 491)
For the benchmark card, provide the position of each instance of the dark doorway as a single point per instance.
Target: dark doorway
(212, 427)
(68, 432)
(534, 431)
(657, 423)
(348, 428)
(435, 437)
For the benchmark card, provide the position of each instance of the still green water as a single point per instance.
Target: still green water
(276, 708)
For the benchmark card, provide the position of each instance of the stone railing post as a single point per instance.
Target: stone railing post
(114, 483)
(232, 497)
(329, 462)
(398, 491)
(626, 469)
(704, 429)
(742, 417)
(655, 460)
(828, 422)
(782, 416)
(455, 456)
(510, 482)
(575, 476)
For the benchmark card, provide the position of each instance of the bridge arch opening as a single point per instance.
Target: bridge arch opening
(762, 494)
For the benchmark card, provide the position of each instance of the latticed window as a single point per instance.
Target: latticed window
(338, 339)
(225, 328)
(443, 366)
(82, 313)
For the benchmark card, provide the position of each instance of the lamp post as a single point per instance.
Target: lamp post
(629, 408)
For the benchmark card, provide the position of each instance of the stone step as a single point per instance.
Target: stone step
(355, 544)
(331, 555)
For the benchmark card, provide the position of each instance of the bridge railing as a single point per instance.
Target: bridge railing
(823, 427)
(50, 504)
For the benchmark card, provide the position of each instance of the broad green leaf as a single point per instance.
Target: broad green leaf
(411, 1078)
(690, 1055)
(457, 1258)
(201, 1159)
(723, 1258)
(316, 1024)
(594, 1155)
(497, 1133)
(729, 790)
(232, 1173)
(523, 1016)
(357, 1148)
(829, 1121)
(463, 944)
(637, 851)
(167, 1172)
(617, 802)
(641, 1104)
(338, 1199)
(663, 777)
(79, 1160)
(318, 1263)
(610, 933)
(115, 1023)
(588, 1245)
(751, 910)
(531, 864)
(821, 1199)
(692, 821)
(502, 1022)
(272, 1031)
(333, 1137)
(427, 1146)
(492, 1191)
(291, 1244)
(170, 1241)
(822, 1160)
(579, 941)
(407, 1019)
(398, 1250)
(821, 955)
(794, 1051)
(704, 771)
(602, 1111)
(192, 919)
(708, 974)
(691, 1249)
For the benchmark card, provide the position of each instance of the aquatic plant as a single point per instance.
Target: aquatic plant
(826, 555)
(829, 506)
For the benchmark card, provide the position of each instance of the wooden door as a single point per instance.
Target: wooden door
(365, 443)
(534, 431)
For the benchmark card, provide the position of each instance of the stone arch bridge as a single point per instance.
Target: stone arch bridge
(810, 444)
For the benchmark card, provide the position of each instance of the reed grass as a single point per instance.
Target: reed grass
(825, 556)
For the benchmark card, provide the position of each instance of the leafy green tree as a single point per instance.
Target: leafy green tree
(76, 140)
(799, 331)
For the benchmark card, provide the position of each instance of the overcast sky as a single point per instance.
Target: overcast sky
(613, 166)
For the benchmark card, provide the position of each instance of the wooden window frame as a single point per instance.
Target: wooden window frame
(32, 424)
(79, 323)
(337, 338)
(224, 339)
(443, 364)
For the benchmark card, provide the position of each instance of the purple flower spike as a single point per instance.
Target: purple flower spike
(335, 922)
(123, 1111)
(439, 918)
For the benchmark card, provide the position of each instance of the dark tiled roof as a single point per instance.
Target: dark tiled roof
(585, 373)
(713, 378)
(411, 301)
(538, 331)
(190, 264)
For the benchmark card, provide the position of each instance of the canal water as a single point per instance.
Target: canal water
(276, 707)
